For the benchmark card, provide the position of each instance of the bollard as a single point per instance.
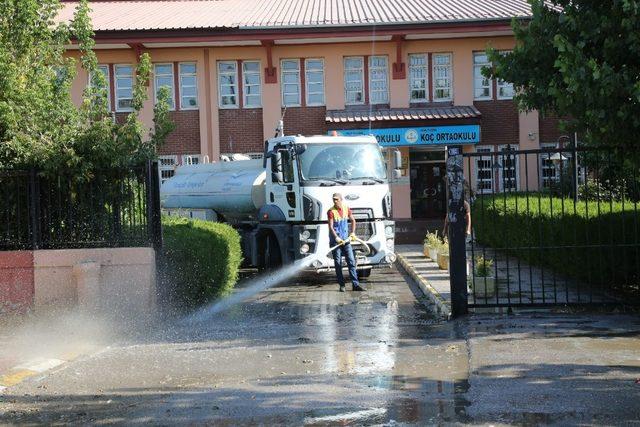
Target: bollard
(457, 244)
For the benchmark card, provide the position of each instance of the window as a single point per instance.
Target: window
(508, 178)
(163, 77)
(188, 86)
(378, 80)
(354, 80)
(290, 82)
(314, 77)
(167, 167)
(251, 84)
(442, 77)
(190, 159)
(104, 69)
(505, 90)
(484, 170)
(481, 84)
(549, 174)
(228, 84)
(124, 87)
(418, 78)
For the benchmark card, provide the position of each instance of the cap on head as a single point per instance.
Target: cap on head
(337, 196)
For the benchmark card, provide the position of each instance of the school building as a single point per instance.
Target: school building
(406, 71)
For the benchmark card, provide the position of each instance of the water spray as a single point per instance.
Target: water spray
(265, 282)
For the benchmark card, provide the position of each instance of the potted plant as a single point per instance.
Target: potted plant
(483, 282)
(431, 243)
(443, 255)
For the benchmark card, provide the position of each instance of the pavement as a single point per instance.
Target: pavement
(302, 353)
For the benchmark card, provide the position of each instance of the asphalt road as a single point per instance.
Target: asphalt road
(305, 354)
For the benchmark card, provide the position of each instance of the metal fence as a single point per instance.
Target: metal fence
(112, 208)
(553, 226)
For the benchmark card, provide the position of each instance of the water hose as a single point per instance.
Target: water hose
(356, 240)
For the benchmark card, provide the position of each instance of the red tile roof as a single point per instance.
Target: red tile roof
(403, 114)
(274, 14)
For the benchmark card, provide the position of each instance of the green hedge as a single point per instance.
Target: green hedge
(515, 221)
(199, 260)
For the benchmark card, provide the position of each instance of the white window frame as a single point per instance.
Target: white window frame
(107, 76)
(555, 178)
(484, 149)
(167, 163)
(308, 91)
(501, 84)
(172, 88)
(245, 85)
(182, 86)
(425, 68)
(361, 71)
(190, 159)
(477, 68)
(297, 83)
(233, 73)
(115, 78)
(385, 73)
(435, 68)
(501, 158)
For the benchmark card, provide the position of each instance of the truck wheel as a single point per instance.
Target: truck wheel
(272, 256)
(364, 272)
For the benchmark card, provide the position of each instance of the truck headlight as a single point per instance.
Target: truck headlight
(389, 243)
(304, 248)
(305, 235)
(388, 231)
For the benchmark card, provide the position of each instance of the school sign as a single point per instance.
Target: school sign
(432, 135)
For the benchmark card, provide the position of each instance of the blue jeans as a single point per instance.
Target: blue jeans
(347, 251)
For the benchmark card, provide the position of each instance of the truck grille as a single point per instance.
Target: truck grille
(364, 226)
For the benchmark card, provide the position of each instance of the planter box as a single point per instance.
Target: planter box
(480, 286)
(443, 260)
(425, 250)
(433, 254)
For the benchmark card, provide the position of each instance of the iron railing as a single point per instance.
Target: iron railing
(559, 226)
(112, 208)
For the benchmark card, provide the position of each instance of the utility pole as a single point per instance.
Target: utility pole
(457, 233)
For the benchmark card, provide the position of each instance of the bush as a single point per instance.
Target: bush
(594, 243)
(199, 260)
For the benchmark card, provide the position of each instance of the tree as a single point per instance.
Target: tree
(39, 124)
(579, 59)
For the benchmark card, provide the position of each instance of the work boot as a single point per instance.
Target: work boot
(342, 289)
(359, 288)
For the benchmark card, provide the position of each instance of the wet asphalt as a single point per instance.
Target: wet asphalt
(302, 353)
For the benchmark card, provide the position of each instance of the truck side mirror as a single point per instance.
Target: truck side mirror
(397, 159)
(276, 167)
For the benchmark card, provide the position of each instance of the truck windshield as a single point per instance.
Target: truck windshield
(342, 162)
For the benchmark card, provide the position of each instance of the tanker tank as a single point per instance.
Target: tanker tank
(232, 189)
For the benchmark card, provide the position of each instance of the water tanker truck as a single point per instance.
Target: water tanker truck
(279, 203)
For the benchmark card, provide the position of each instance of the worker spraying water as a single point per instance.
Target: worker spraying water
(339, 217)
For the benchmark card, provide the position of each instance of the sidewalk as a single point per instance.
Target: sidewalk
(433, 282)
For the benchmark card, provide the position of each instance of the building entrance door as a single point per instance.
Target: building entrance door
(428, 194)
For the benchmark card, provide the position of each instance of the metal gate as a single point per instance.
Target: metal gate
(551, 226)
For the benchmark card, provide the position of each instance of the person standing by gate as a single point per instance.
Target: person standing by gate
(339, 217)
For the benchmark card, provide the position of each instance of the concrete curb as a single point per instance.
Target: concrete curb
(442, 306)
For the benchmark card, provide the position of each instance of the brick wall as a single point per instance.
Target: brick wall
(499, 123)
(549, 128)
(305, 121)
(241, 130)
(185, 139)
(16, 281)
